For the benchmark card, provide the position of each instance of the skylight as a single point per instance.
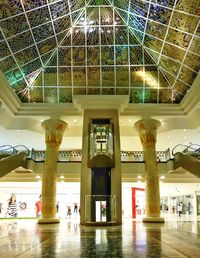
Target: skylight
(52, 50)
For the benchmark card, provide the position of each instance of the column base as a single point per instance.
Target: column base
(48, 221)
(153, 219)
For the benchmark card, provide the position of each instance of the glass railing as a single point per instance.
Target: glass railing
(100, 209)
(8, 150)
(192, 149)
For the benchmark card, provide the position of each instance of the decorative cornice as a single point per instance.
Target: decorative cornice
(8, 96)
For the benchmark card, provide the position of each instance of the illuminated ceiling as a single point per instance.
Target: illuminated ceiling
(51, 50)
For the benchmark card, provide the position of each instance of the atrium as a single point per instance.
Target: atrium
(127, 67)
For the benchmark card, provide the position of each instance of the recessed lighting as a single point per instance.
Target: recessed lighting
(37, 176)
(139, 177)
(62, 177)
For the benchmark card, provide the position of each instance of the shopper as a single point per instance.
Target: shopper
(179, 209)
(12, 206)
(38, 207)
(69, 212)
(75, 207)
(57, 206)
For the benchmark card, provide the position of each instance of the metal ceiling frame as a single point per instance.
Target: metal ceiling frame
(74, 24)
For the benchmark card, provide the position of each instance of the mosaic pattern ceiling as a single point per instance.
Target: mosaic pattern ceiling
(51, 50)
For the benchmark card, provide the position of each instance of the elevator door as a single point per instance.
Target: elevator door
(101, 191)
(101, 181)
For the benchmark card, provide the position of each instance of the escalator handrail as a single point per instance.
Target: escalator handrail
(9, 148)
(190, 147)
(187, 147)
(176, 147)
(196, 150)
(14, 148)
(3, 146)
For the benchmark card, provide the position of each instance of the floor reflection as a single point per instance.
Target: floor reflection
(26, 238)
(101, 242)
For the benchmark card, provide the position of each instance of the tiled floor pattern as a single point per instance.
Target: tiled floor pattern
(26, 238)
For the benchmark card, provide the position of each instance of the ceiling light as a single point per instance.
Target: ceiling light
(162, 177)
(37, 176)
(62, 177)
(139, 177)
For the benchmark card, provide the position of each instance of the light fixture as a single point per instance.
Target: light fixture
(162, 177)
(38, 177)
(62, 177)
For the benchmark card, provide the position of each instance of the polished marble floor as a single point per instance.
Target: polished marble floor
(179, 237)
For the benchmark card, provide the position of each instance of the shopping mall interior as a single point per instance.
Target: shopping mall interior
(99, 128)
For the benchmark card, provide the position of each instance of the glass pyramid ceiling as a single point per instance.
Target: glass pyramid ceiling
(51, 50)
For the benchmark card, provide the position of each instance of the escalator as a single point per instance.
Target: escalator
(187, 158)
(12, 157)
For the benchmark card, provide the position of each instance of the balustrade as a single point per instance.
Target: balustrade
(76, 156)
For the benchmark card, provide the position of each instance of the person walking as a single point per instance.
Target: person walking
(12, 206)
(179, 209)
(75, 207)
(69, 212)
(38, 207)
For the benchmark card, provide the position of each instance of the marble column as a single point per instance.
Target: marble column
(54, 129)
(147, 129)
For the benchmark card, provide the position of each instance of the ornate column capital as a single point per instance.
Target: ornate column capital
(54, 129)
(147, 129)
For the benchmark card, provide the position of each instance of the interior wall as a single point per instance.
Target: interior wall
(36, 140)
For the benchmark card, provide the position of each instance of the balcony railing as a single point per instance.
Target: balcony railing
(76, 156)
